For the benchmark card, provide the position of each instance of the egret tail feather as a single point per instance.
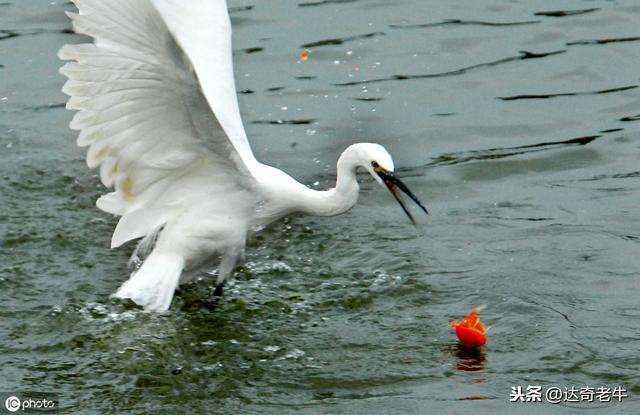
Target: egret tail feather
(153, 285)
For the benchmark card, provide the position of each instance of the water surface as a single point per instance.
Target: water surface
(515, 122)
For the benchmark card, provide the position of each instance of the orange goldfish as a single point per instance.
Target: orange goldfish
(470, 331)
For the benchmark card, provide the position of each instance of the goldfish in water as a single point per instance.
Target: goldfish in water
(470, 330)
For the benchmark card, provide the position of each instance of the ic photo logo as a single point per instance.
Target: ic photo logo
(12, 403)
(31, 403)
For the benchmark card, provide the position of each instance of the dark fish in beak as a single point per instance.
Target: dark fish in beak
(393, 184)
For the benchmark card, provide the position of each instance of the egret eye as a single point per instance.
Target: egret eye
(375, 165)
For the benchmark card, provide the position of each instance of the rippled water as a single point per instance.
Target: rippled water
(517, 124)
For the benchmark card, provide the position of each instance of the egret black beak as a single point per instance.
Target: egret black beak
(393, 184)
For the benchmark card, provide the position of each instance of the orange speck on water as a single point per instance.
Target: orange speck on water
(304, 55)
(470, 330)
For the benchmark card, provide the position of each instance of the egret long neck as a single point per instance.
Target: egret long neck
(342, 197)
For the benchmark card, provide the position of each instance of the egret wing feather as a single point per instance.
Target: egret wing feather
(210, 51)
(157, 109)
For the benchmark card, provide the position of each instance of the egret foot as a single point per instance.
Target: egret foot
(218, 291)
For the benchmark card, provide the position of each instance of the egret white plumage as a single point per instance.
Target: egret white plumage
(158, 110)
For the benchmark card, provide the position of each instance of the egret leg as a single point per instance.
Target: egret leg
(226, 267)
(218, 291)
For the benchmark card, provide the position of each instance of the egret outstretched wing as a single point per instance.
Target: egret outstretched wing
(157, 106)
(158, 109)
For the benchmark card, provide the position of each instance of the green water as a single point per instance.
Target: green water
(527, 161)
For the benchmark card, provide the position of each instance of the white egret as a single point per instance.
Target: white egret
(158, 110)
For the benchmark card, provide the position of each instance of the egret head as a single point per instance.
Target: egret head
(379, 164)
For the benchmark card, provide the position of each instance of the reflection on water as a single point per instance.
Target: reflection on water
(605, 41)
(462, 23)
(524, 55)
(569, 94)
(340, 41)
(470, 359)
(565, 13)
